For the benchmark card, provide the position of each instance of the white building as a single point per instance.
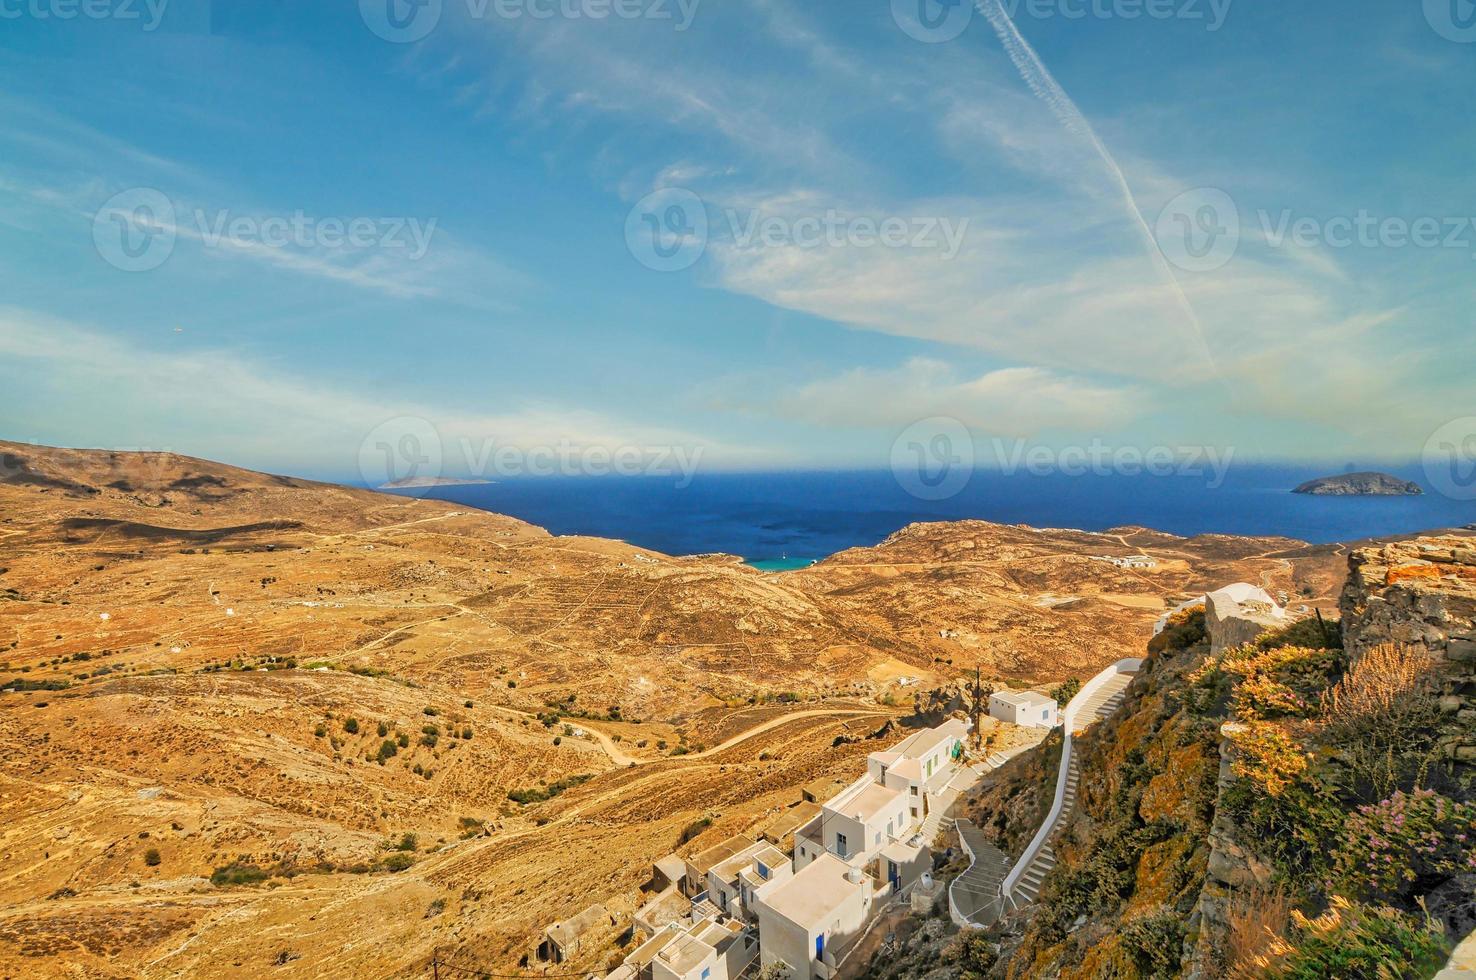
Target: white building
(921, 764)
(888, 804)
(701, 950)
(809, 922)
(732, 882)
(1028, 708)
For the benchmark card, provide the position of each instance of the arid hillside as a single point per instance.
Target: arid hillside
(253, 722)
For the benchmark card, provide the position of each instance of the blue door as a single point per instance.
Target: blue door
(820, 946)
(894, 875)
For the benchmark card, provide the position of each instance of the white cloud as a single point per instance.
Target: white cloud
(216, 403)
(1020, 401)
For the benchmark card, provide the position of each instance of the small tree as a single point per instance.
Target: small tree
(351, 726)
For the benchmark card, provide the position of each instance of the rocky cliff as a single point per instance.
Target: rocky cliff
(1299, 805)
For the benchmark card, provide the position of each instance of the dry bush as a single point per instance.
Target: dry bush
(1378, 686)
(1384, 717)
(1258, 920)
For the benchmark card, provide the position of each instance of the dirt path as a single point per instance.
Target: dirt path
(621, 759)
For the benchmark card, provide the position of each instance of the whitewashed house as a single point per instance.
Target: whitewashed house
(703, 950)
(1030, 709)
(809, 922)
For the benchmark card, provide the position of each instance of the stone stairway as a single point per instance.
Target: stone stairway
(1098, 706)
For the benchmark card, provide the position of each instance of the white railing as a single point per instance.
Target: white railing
(1068, 724)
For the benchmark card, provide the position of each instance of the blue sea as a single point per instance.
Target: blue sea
(779, 521)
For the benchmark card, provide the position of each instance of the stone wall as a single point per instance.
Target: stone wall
(1422, 592)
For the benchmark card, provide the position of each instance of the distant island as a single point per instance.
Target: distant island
(422, 482)
(1360, 485)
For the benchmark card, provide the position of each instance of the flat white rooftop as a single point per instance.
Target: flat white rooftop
(864, 799)
(1025, 699)
(811, 897)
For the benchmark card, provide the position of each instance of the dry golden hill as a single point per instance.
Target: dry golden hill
(278, 683)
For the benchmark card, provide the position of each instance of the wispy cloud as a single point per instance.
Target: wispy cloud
(222, 404)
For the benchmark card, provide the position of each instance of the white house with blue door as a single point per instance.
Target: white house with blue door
(809, 922)
(732, 882)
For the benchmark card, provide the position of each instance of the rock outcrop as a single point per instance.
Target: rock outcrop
(1422, 592)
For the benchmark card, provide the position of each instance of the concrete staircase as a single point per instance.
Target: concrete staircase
(1101, 703)
(975, 894)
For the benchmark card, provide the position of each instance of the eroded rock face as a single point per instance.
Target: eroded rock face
(1422, 592)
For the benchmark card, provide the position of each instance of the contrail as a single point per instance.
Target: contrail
(1041, 82)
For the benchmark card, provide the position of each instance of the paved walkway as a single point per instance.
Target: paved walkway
(1101, 704)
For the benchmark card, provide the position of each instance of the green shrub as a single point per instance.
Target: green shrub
(1357, 942)
(972, 954)
(526, 796)
(1411, 837)
(402, 740)
(387, 750)
(694, 828)
(383, 729)
(351, 726)
(151, 857)
(236, 873)
(1067, 690)
(1155, 943)
(398, 861)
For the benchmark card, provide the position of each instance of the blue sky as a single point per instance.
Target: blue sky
(1063, 152)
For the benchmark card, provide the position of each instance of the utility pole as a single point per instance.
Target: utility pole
(978, 698)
